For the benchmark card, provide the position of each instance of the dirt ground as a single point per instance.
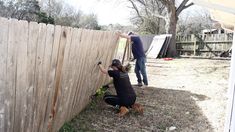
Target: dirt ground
(184, 95)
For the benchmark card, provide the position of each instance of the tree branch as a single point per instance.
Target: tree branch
(136, 9)
(141, 2)
(169, 4)
(182, 7)
(158, 16)
(188, 5)
(165, 2)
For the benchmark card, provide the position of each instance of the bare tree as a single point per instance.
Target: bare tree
(169, 15)
(194, 23)
(144, 20)
(67, 15)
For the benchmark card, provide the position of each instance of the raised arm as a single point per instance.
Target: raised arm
(102, 68)
(123, 35)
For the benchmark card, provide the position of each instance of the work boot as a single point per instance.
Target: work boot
(139, 84)
(144, 86)
(123, 111)
(138, 108)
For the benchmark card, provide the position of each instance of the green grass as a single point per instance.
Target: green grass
(67, 127)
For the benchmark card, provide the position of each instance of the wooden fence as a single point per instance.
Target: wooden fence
(204, 45)
(47, 73)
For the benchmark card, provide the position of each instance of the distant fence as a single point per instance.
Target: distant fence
(47, 73)
(204, 45)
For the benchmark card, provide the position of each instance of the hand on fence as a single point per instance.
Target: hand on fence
(99, 63)
(118, 33)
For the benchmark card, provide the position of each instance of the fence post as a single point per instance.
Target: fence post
(124, 55)
(194, 40)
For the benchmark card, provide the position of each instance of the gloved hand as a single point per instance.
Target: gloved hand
(99, 63)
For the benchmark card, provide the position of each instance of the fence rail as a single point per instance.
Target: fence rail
(204, 45)
(47, 73)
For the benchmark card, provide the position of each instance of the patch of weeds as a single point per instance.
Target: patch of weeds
(166, 112)
(67, 127)
(161, 127)
(101, 91)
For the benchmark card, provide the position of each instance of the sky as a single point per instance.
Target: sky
(107, 11)
(114, 11)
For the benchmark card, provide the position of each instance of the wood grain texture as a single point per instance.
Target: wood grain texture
(31, 72)
(21, 76)
(3, 68)
(10, 90)
(47, 73)
(39, 78)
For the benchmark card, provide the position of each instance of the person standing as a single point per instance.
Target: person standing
(139, 55)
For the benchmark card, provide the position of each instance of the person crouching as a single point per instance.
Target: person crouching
(126, 95)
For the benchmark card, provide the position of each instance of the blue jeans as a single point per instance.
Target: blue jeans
(141, 69)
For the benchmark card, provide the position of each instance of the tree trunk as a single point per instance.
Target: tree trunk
(172, 52)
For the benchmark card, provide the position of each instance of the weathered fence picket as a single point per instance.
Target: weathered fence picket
(4, 113)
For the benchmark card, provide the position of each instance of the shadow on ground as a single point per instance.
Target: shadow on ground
(164, 109)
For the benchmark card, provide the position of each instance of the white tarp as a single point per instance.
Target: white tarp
(156, 45)
(230, 120)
